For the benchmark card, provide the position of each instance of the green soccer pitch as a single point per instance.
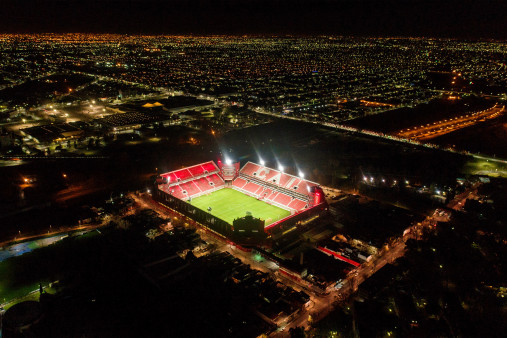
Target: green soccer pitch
(229, 204)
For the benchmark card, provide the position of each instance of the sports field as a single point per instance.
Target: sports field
(228, 204)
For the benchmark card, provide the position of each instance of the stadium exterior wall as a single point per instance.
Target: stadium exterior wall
(214, 223)
(225, 229)
(294, 219)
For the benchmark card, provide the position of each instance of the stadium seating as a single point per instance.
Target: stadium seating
(282, 199)
(277, 187)
(250, 168)
(266, 193)
(304, 187)
(209, 167)
(259, 191)
(196, 171)
(190, 187)
(239, 182)
(272, 195)
(273, 186)
(194, 187)
(293, 182)
(182, 174)
(297, 204)
(251, 187)
(203, 184)
(217, 180)
(177, 192)
(275, 177)
(188, 173)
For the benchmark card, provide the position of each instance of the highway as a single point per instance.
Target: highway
(429, 131)
(394, 138)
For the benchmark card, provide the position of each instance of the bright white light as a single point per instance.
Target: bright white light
(280, 167)
(228, 161)
(365, 178)
(301, 174)
(261, 161)
(149, 191)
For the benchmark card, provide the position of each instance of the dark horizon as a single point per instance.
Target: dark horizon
(403, 18)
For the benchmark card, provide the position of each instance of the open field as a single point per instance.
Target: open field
(228, 204)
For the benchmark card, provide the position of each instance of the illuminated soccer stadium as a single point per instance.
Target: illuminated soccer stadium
(250, 202)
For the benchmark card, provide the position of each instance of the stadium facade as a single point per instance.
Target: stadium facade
(304, 199)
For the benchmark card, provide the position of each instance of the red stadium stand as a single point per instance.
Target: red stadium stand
(293, 182)
(239, 182)
(182, 174)
(304, 187)
(259, 191)
(297, 204)
(250, 168)
(266, 193)
(190, 188)
(191, 172)
(203, 184)
(271, 176)
(272, 195)
(171, 178)
(282, 199)
(196, 171)
(176, 191)
(217, 181)
(272, 185)
(251, 187)
(193, 187)
(275, 187)
(209, 167)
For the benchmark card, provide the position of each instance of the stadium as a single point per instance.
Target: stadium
(245, 204)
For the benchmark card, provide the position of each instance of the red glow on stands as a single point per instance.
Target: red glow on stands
(340, 257)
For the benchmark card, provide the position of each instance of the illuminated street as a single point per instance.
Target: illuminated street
(253, 169)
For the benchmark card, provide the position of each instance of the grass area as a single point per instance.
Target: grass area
(32, 295)
(20, 275)
(228, 204)
(478, 166)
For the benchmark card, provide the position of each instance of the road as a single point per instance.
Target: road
(321, 304)
(394, 138)
(429, 131)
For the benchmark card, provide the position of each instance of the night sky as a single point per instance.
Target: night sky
(440, 18)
